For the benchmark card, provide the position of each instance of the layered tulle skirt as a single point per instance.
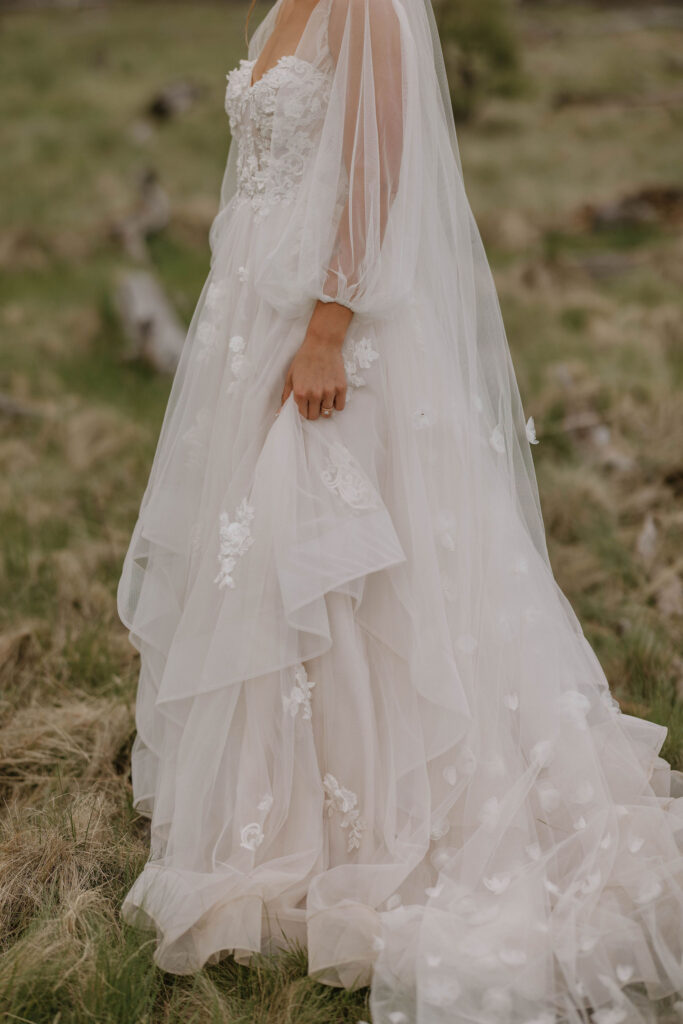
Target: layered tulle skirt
(367, 719)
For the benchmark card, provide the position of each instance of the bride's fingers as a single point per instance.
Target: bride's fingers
(340, 399)
(287, 390)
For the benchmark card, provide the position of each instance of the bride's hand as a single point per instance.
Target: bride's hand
(316, 374)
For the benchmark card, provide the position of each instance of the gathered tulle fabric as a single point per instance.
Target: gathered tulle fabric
(367, 717)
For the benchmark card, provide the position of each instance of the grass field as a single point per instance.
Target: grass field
(595, 323)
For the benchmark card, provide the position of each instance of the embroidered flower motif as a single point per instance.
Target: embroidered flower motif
(450, 774)
(497, 884)
(196, 439)
(251, 836)
(605, 842)
(393, 902)
(497, 439)
(534, 851)
(439, 829)
(624, 973)
(357, 353)
(344, 800)
(343, 476)
(239, 364)
(650, 889)
(242, 275)
(531, 431)
(235, 541)
(434, 891)
(541, 752)
(265, 803)
(207, 338)
(511, 701)
(490, 813)
(423, 417)
(300, 695)
(634, 843)
(215, 295)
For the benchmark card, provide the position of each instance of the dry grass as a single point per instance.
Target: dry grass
(596, 327)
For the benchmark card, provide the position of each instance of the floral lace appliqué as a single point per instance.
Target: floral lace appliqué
(239, 364)
(300, 695)
(358, 354)
(251, 835)
(235, 541)
(272, 151)
(344, 477)
(345, 801)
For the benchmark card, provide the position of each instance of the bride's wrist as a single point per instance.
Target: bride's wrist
(328, 324)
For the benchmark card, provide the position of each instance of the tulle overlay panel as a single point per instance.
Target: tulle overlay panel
(367, 718)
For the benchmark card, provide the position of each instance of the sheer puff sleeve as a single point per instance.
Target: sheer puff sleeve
(351, 236)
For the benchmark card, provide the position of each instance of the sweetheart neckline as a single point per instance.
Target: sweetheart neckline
(285, 56)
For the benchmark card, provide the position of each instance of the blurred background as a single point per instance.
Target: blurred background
(114, 140)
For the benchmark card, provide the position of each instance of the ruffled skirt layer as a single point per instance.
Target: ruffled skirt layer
(367, 719)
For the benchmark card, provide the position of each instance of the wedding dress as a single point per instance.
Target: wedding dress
(367, 718)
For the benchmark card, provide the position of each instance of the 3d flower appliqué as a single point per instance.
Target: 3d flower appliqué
(235, 540)
(338, 798)
(300, 695)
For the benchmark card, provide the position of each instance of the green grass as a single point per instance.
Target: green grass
(73, 91)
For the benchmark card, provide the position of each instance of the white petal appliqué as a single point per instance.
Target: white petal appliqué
(300, 695)
(344, 801)
(497, 883)
(251, 836)
(342, 475)
(531, 431)
(624, 973)
(497, 440)
(357, 353)
(235, 541)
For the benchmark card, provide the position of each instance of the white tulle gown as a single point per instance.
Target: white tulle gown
(367, 718)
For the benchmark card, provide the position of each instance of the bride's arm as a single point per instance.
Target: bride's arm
(368, 101)
(316, 374)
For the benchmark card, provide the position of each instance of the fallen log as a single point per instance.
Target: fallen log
(152, 327)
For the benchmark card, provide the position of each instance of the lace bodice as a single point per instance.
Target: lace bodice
(272, 150)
